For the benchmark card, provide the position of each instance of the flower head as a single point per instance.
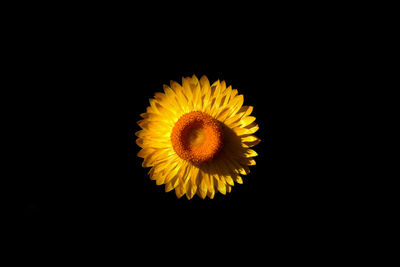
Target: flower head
(196, 137)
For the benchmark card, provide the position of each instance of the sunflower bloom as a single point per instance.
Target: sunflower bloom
(196, 138)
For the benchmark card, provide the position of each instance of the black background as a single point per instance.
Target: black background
(77, 80)
(289, 77)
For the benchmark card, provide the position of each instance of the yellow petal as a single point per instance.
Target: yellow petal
(221, 186)
(228, 188)
(237, 167)
(203, 184)
(238, 179)
(172, 170)
(251, 144)
(247, 120)
(216, 106)
(247, 110)
(160, 179)
(151, 173)
(197, 103)
(229, 180)
(215, 89)
(145, 152)
(191, 191)
(237, 104)
(211, 193)
(168, 187)
(171, 101)
(159, 96)
(250, 138)
(204, 82)
(187, 91)
(252, 128)
(179, 191)
(172, 184)
(175, 86)
(223, 114)
(228, 96)
(182, 100)
(191, 186)
(243, 131)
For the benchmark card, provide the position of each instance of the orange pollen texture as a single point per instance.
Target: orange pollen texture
(197, 137)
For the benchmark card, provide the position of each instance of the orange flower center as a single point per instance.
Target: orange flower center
(197, 137)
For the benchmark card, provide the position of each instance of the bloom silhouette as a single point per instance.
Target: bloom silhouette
(196, 138)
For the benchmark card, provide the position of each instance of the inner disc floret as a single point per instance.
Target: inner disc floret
(197, 137)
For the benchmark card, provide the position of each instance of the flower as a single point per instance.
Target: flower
(196, 138)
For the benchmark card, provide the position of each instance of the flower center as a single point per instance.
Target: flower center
(197, 137)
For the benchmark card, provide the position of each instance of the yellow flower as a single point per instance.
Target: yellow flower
(196, 137)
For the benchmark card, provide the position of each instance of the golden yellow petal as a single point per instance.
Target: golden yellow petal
(159, 96)
(238, 179)
(246, 110)
(223, 86)
(191, 186)
(139, 133)
(234, 93)
(203, 187)
(168, 115)
(243, 111)
(211, 193)
(250, 138)
(223, 114)
(160, 179)
(172, 184)
(182, 100)
(206, 89)
(153, 117)
(221, 185)
(197, 103)
(190, 191)
(145, 152)
(243, 161)
(187, 91)
(228, 96)
(168, 187)
(250, 153)
(244, 131)
(157, 174)
(205, 83)
(251, 144)
(179, 191)
(155, 125)
(252, 162)
(139, 142)
(151, 173)
(210, 180)
(228, 188)
(171, 101)
(146, 134)
(153, 105)
(172, 170)
(216, 106)
(155, 143)
(229, 180)
(175, 86)
(247, 120)
(237, 104)
(144, 115)
(237, 167)
(252, 128)
(215, 89)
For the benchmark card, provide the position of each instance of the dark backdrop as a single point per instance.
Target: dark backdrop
(288, 79)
